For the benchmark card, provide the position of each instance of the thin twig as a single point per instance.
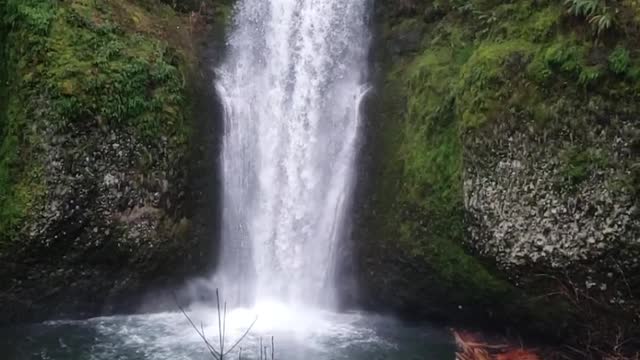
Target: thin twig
(205, 336)
(243, 336)
(224, 327)
(624, 278)
(212, 350)
(220, 325)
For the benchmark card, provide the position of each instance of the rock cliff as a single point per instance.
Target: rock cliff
(97, 134)
(504, 166)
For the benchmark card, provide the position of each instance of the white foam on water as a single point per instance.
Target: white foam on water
(297, 332)
(292, 84)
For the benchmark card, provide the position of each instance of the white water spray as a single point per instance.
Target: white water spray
(291, 84)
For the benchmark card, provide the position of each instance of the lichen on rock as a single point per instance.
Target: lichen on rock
(505, 167)
(94, 154)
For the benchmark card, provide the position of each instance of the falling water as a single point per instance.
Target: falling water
(291, 84)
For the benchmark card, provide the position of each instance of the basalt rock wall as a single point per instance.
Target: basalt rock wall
(503, 161)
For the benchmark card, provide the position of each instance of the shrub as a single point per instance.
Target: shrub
(597, 13)
(619, 60)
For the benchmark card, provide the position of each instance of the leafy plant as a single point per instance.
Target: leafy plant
(579, 164)
(619, 60)
(597, 13)
(589, 74)
(73, 64)
(488, 20)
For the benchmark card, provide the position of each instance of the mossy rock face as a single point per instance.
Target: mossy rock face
(95, 132)
(503, 168)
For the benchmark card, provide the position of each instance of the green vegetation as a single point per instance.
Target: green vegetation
(597, 13)
(221, 8)
(431, 153)
(619, 60)
(580, 164)
(423, 213)
(486, 65)
(85, 64)
(483, 87)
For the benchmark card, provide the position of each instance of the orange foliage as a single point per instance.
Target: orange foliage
(470, 347)
(517, 355)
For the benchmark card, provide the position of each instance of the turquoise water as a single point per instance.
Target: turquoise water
(298, 335)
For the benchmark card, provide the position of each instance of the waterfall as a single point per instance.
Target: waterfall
(291, 86)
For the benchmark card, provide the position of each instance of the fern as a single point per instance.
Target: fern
(619, 60)
(597, 13)
(583, 7)
(601, 22)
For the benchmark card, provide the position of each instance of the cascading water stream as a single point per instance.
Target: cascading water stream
(291, 84)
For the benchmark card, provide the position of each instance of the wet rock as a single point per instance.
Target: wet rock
(407, 40)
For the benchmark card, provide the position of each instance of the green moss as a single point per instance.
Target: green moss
(86, 63)
(222, 9)
(521, 65)
(430, 150)
(18, 181)
(4, 88)
(483, 84)
(568, 56)
(579, 164)
(419, 196)
(88, 59)
(521, 20)
(542, 24)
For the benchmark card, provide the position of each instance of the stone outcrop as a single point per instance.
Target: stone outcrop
(502, 169)
(524, 210)
(100, 145)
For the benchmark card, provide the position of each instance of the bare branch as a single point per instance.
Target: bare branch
(243, 336)
(220, 326)
(224, 327)
(215, 354)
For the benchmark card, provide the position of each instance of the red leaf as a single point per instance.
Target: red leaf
(517, 355)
